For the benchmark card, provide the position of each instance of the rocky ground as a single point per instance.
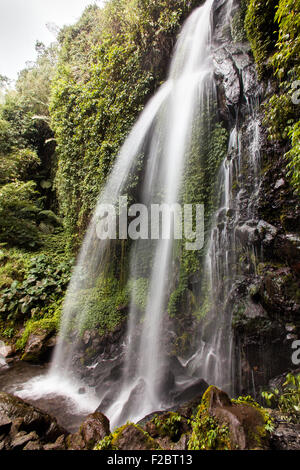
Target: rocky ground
(210, 421)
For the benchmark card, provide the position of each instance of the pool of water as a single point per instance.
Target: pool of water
(29, 382)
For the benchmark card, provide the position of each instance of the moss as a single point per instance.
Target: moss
(238, 31)
(49, 323)
(104, 304)
(207, 434)
(261, 31)
(111, 442)
(261, 433)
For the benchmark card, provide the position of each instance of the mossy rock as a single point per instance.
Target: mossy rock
(169, 424)
(232, 425)
(128, 437)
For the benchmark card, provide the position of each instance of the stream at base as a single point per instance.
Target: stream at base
(34, 385)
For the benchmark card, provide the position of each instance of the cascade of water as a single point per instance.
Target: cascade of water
(214, 359)
(191, 78)
(164, 133)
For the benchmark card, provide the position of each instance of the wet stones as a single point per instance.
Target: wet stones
(39, 346)
(193, 390)
(133, 437)
(94, 429)
(23, 426)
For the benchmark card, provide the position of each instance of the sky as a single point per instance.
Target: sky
(23, 22)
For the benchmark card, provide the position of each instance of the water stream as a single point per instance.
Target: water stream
(163, 134)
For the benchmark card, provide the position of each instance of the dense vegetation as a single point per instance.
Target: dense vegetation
(273, 31)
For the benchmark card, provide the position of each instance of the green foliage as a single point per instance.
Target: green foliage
(17, 213)
(169, 426)
(18, 165)
(261, 31)
(238, 32)
(294, 157)
(287, 52)
(111, 442)
(25, 154)
(43, 285)
(17, 128)
(34, 82)
(104, 304)
(109, 64)
(280, 114)
(106, 444)
(287, 401)
(138, 289)
(279, 50)
(207, 434)
(287, 68)
(49, 322)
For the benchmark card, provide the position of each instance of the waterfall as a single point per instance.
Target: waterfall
(160, 143)
(214, 358)
(190, 82)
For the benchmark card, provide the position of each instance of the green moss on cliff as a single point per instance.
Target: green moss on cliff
(261, 31)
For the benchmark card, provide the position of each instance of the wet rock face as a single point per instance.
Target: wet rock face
(286, 437)
(265, 295)
(195, 389)
(39, 347)
(24, 426)
(98, 360)
(94, 428)
(266, 303)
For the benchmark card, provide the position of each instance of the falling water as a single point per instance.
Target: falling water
(163, 132)
(190, 82)
(163, 135)
(214, 358)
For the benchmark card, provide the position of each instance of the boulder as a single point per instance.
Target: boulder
(244, 421)
(94, 429)
(6, 350)
(21, 423)
(75, 442)
(33, 445)
(227, 73)
(132, 437)
(22, 438)
(193, 390)
(59, 444)
(39, 346)
(286, 437)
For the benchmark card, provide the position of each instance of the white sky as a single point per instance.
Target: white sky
(23, 22)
